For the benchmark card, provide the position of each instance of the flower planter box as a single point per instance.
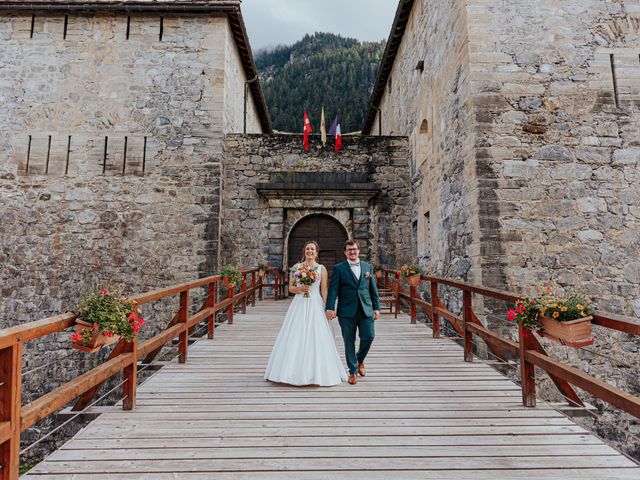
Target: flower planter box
(414, 280)
(574, 333)
(97, 340)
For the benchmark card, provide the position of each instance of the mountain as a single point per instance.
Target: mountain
(320, 70)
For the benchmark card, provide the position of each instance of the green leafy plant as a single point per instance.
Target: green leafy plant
(409, 270)
(232, 275)
(110, 313)
(264, 266)
(562, 308)
(377, 268)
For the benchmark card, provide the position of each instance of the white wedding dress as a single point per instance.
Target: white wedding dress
(305, 351)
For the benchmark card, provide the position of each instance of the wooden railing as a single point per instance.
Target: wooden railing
(528, 349)
(16, 418)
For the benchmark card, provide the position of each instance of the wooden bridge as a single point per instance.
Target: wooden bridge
(421, 412)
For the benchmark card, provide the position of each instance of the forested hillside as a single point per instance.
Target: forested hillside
(320, 70)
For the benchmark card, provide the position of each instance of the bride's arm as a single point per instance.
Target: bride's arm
(324, 289)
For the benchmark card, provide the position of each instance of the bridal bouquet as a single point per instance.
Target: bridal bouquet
(305, 276)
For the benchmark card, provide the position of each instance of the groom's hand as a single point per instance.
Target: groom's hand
(331, 314)
(376, 314)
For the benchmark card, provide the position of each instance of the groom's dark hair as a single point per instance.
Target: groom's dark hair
(350, 243)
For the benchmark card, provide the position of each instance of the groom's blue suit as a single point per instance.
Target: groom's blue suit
(357, 299)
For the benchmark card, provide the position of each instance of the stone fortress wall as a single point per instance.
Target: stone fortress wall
(546, 105)
(111, 148)
(256, 228)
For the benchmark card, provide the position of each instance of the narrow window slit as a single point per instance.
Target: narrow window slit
(26, 170)
(66, 24)
(124, 156)
(161, 27)
(104, 159)
(128, 26)
(144, 154)
(66, 166)
(33, 24)
(46, 168)
(615, 80)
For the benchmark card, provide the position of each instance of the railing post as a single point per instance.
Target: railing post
(260, 282)
(243, 289)
(253, 289)
(183, 317)
(527, 370)
(412, 306)
(211, 302)
(10, 403)
(277, 285)
(230, 307)
(398, 290)
(435, 302)
(129, 387)
(466, 319)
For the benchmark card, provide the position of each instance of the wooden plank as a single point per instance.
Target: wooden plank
(320, 464)
(332, 451)
(617, 322)
(484, 474)
(29, 331)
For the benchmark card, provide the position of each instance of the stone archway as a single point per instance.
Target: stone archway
(326, 230)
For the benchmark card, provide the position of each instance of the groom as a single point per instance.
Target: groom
(353, 283)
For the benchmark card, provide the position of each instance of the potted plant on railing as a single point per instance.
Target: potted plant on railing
(104, 317)
(231, 277)
(263, 268)
(565, 319)
(411, 273)
(377, 271)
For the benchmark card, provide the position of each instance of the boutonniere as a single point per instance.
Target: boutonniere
(367, 274)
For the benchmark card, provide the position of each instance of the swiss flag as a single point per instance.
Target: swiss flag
(306, 131)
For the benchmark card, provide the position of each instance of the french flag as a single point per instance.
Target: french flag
(335, 130)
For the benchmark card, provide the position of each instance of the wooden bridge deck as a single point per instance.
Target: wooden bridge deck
(421, 413)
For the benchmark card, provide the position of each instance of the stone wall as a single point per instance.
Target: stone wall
(438, 122)
(234, 88)
(256, 228)
(556, 138)
(554, 99)
(110, 167)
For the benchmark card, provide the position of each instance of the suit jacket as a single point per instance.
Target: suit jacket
(349, 291)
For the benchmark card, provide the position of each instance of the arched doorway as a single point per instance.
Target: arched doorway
(325, 230)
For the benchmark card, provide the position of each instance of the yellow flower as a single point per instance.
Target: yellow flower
(580, 307)
(543, 311)
(556, 314)
(563, 309)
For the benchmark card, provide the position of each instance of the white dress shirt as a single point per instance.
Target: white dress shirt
(355, 268)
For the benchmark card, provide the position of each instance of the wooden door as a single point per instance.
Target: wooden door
(329, 234)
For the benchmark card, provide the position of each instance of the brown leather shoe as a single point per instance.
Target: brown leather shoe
(361, 370)
(353, 379)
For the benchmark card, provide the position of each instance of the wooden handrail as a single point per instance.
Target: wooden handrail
(530, 351)
(15, 418)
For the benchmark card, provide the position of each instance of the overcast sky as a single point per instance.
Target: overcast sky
(277, 22)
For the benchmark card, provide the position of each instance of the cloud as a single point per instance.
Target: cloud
(276, 22)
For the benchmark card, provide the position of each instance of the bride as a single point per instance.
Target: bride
(305, 351)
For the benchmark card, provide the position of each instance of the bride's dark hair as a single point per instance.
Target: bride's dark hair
(310, 242)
